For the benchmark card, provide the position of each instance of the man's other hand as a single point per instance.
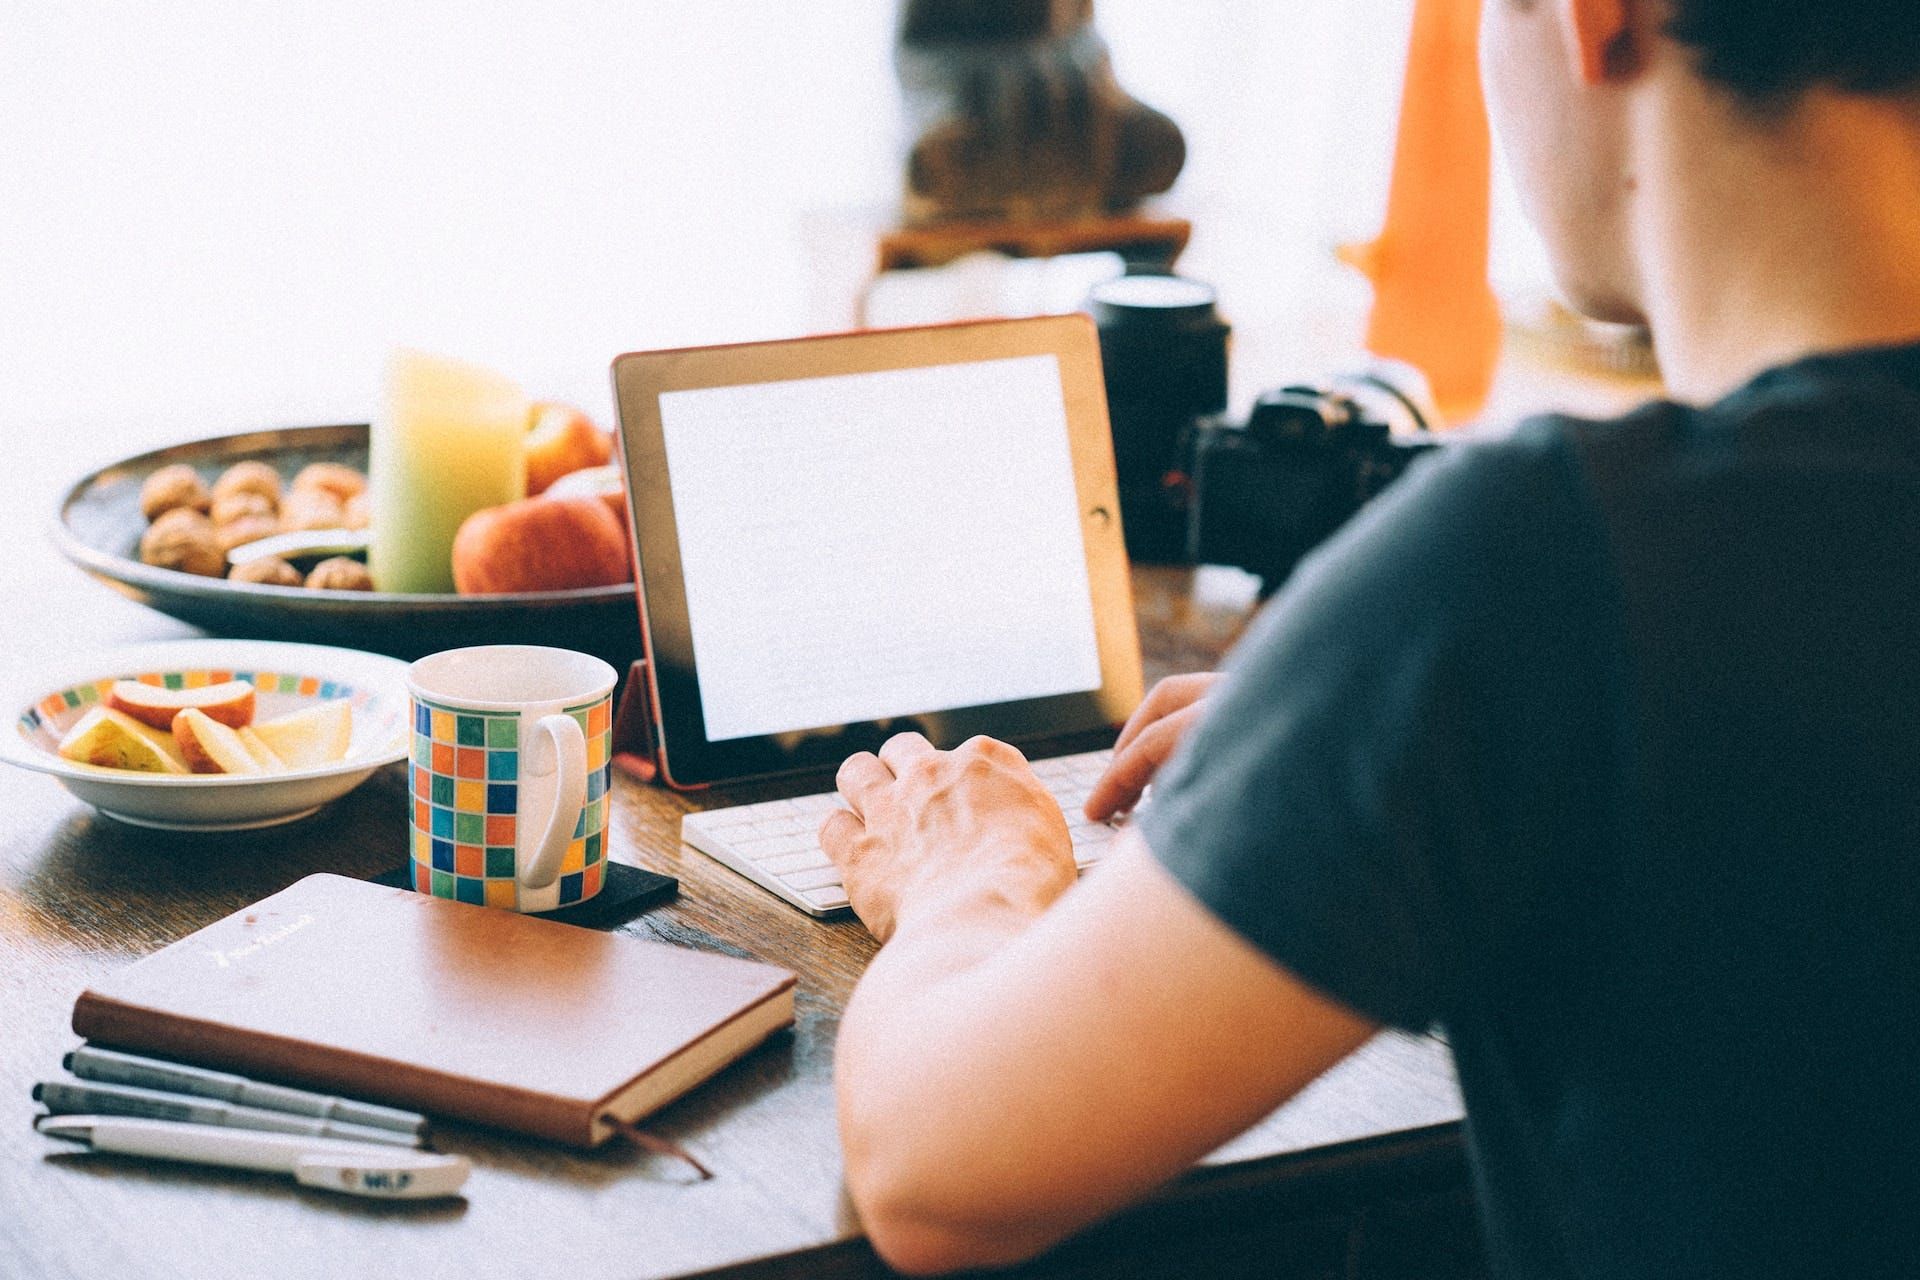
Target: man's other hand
(1152, 733)
(935, 833)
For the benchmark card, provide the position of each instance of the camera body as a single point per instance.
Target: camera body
(1198, 488)
(1265, 492)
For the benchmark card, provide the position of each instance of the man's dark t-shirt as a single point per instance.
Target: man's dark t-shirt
(1600, 747)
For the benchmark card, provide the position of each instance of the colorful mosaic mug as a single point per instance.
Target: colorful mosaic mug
(509, 775)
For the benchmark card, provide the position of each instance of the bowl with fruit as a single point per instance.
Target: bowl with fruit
(210, 735)
(485, 518)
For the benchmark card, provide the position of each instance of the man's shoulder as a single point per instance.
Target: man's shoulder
(1653, 424)
(1543, 460)
(1520, 500)
(1486, 545)
(1567, 449)
(1770, 447)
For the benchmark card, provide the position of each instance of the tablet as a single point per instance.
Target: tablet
(844, 537)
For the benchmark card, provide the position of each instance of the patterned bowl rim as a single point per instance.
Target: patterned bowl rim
(370, 679)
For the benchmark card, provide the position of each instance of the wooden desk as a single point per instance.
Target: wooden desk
(1357, 1176)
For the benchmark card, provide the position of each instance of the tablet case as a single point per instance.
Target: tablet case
(636, 744)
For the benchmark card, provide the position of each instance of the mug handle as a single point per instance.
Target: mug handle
(568, 753)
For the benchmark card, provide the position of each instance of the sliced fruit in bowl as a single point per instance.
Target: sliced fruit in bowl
(257, 732)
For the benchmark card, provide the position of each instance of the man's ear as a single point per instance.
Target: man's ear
(1607, 44)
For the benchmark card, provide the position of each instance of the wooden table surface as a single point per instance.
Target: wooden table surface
(82, 895)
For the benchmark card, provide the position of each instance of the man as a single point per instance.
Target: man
(1598, 747)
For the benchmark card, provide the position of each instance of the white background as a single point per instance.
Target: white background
(216, 215)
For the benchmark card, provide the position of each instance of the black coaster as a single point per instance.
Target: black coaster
(627, 892)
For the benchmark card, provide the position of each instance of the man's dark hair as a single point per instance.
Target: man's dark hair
(1769, 52)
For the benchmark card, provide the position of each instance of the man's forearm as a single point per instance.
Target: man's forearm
(1007, 1078)
(916, 997)
(907, 1108)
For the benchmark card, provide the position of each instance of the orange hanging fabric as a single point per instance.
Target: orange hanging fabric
(1432, 304)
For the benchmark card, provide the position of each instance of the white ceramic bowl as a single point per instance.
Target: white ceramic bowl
(288, 677)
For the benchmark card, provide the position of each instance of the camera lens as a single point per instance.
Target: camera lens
(1163, 346)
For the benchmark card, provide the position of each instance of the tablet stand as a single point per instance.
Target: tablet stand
(636, 749)
(636, 740)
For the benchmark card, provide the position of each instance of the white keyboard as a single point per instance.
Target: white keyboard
(776, 844)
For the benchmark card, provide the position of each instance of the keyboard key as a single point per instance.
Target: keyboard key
(788, 863)
(722, 819)
(819, 878)
(794, 842)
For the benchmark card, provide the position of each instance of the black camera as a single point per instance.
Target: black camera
(1197, 488)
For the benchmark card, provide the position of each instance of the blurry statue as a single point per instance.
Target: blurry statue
(1015, 115)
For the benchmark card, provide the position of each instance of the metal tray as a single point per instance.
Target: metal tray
(100, 524)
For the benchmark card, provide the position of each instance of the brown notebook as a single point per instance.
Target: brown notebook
(437, 1006)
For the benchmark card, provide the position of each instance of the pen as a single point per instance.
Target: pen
(359, 1169)
(68, 1097)
(110, 1066)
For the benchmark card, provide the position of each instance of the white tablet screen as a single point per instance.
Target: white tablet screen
(872, 545)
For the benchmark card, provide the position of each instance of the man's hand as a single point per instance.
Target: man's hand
(1156, 727)
(943, 833)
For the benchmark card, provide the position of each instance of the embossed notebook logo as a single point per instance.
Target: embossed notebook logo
(233, 955)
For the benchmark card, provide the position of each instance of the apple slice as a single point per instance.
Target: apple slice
(116, 740)
(230, 703)
(308, 738)
(212, 747)
(266, 755)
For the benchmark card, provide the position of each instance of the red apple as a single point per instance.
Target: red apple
(540, 544)
(560, 439)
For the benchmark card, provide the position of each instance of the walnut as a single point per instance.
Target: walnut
(342, 482)
(248, 477)
(171, 487)
(267, 571)
(341, 573)
(359, 511)
(241, 505)
(183, 539)
(311, 509)
(244, 530)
